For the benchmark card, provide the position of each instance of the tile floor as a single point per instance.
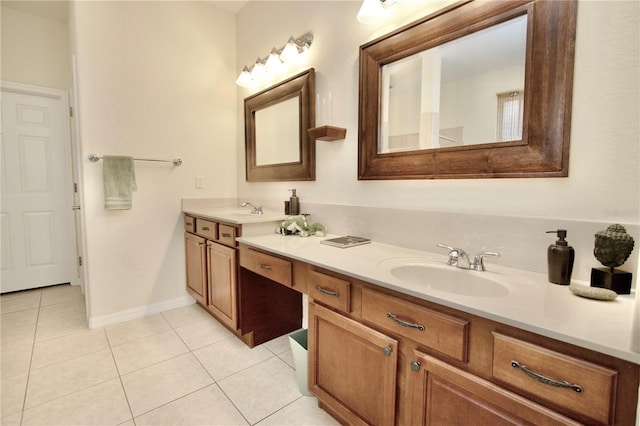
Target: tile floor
(179, 367)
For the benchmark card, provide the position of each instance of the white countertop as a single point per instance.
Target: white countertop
(234, 215)
(533, 304)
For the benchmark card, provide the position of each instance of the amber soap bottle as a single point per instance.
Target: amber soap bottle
(560, 258)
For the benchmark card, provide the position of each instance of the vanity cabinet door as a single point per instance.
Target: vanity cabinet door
(196, 267)
(352, 368)
(445, 395)
(221, 264)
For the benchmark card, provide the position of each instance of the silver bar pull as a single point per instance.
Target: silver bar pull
(263, 266)
(405, 323)
(544, 379)
(327, 292)
(226, 235)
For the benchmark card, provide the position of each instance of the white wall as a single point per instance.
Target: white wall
(35, 49)
(155, 79)
(604, 179)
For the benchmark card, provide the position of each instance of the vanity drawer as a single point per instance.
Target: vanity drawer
(440, 332)
(206, 228)
(330, 291)
(227, 235)
(189, 224)
(271, 267)
(580, 386)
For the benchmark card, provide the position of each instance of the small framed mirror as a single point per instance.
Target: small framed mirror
(480, 89)
(277, 146)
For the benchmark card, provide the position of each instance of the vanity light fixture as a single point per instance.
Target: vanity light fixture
(372, 11)
(289, 54)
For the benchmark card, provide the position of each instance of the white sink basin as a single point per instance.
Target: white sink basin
(450, 280)
(433, 274)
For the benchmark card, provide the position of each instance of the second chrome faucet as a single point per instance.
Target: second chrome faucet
(476, 265)
(256, 210)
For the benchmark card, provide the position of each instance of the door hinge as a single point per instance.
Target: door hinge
(75, 187)
(79, 260)
(70, 111)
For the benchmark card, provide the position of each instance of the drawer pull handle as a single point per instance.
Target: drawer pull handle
(226, 235)
(327, 292)
(405, 323)
(545, 380)
(263, 266)
(387, 351)
(205, 228)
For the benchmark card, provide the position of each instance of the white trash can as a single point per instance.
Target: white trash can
(299, 347)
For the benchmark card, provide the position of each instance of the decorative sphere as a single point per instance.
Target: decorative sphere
(613, 246)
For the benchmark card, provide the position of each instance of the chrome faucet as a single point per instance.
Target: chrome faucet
(256, 210)
(476, 265)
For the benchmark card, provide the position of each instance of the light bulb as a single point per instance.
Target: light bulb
(273, 62)
(290, 52)
(259, 71)
(370, 11)
(244, 79)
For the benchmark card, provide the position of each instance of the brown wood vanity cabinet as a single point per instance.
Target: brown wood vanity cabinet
(380, 357)
(210, 251)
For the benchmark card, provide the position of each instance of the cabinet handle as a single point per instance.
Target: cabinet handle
(387, 351)
(205, 228)
(226, 235)
(263, 266)
(327, 292)
(545, 380)
(405, 323)
(415, 366)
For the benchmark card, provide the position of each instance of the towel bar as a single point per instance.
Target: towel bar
(176, 161)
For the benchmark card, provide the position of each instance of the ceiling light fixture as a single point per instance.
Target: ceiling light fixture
(372, 11)
(289, 54)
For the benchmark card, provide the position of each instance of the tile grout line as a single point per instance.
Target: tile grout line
(124, 391)
(33, 349)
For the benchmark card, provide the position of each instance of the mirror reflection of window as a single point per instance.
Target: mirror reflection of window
(446, 96)
(510, 115)
(278, 130)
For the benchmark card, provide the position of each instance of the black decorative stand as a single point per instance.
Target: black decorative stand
(611, 279)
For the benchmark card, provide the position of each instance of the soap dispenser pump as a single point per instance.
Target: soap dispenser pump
(560, 258)
(294, 203)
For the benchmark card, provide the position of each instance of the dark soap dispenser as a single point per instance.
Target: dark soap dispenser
(294, 203)
(560, 258)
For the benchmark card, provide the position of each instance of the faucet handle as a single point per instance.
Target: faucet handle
(454, 254)
(478, 263)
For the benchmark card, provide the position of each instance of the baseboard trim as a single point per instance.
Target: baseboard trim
(142, 311)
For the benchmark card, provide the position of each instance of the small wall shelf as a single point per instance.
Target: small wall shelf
(327, 133)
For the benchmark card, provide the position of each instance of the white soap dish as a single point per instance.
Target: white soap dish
(593, 292)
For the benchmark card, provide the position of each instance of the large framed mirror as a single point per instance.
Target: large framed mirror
(480, 89)
(277, 146)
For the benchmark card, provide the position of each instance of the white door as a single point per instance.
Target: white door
(37, 228)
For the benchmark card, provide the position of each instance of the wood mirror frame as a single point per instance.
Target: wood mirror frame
(302, 86)
(544, 148)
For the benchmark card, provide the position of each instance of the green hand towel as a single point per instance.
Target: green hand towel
(119, 182)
